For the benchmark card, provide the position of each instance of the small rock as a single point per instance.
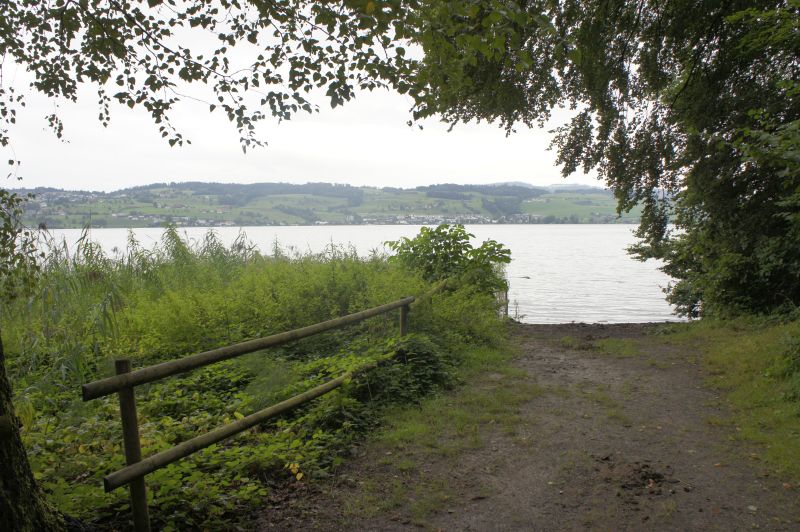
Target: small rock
(752, 508)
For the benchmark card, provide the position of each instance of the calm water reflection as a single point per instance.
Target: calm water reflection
(558, 273)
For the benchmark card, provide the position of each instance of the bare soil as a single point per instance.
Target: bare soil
(633, 440)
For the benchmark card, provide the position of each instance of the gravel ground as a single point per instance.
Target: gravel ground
(626, 438)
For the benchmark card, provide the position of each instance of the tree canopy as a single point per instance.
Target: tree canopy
(690, 108)
(259, 58)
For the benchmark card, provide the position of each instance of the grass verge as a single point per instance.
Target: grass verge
(618, 347)
(756, 363)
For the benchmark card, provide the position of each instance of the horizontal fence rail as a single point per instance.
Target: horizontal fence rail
(125, 475)
(124, 382)
(110, 385)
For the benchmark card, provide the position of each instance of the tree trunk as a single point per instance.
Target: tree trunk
(22, 505)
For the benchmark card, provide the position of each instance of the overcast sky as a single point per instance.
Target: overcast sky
(367, 142)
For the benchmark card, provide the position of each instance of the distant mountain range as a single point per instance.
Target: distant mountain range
(220, 204)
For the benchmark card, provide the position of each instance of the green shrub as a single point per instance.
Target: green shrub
(445, 252)
(178, 299)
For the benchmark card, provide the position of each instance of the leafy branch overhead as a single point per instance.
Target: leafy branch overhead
(688, 108)
(254, 55)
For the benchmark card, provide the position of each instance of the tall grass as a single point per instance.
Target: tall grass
(150, 305)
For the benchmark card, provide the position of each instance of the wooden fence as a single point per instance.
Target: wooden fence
(125, 380)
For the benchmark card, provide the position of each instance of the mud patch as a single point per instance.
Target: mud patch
(637, 479)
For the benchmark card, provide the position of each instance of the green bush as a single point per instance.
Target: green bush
(445, 252)
(178, 299)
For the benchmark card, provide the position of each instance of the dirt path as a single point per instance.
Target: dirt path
(593, 426)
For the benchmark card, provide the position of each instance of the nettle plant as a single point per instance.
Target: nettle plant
(445, 253)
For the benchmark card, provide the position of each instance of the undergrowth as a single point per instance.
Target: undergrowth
(88, 308)
(756, 362)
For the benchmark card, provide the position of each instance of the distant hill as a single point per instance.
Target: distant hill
(515, 184)
(227, 204)
(574, 187)
(556, 187)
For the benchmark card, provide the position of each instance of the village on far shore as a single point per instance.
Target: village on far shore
(194, 204)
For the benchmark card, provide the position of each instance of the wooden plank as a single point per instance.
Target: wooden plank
(110, 385)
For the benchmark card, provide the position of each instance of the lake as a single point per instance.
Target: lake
(558, 273)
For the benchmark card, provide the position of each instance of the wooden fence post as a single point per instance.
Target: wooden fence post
(133, 450)
(403, 320)
(126, 380)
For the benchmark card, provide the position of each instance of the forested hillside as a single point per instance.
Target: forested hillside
(220, 204)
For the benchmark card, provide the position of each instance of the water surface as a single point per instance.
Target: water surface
(558, 273)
